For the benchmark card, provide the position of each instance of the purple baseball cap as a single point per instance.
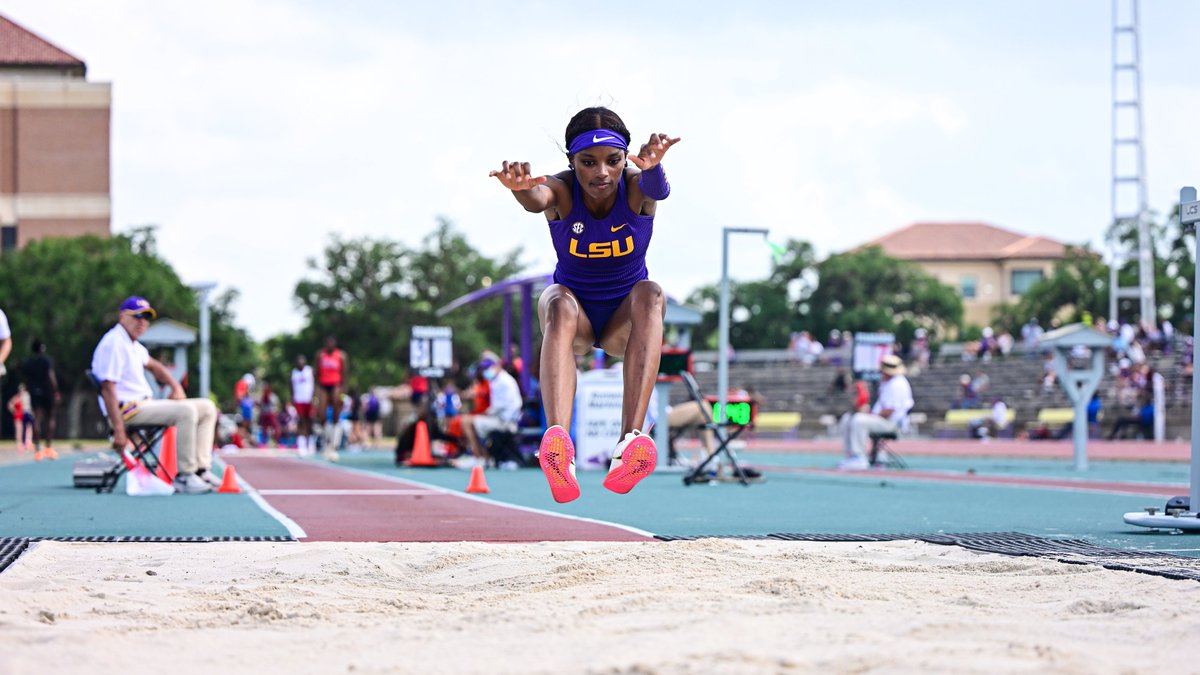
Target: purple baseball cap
(486, 363)
(136, 305)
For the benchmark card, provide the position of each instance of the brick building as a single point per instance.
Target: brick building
(54, 142)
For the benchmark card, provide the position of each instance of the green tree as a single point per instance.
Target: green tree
(865, 290)
(1078, 285)
(369, 293)
(232, 349)
(67, 291)
(763, 313)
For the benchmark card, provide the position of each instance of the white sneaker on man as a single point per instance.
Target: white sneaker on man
(209, 477)
(466, 462)
(191, 484)
(855, 463)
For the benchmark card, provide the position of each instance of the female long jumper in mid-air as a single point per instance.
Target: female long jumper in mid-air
(601, 217)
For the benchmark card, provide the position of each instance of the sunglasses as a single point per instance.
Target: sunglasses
(143, 316)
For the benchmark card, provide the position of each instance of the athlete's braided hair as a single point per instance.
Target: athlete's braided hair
(590, 119)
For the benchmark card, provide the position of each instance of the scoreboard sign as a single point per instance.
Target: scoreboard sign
(431, 351)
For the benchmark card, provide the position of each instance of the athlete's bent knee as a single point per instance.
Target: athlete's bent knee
(648, 296)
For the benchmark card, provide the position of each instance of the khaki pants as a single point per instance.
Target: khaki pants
(689, 414)
(195, 422)
(856, 430)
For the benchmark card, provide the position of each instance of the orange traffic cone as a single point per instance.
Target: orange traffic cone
(229, 482)
(420, 452)
(478, 483)
(167, 467)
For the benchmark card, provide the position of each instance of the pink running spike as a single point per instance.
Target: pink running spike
(557, 457)
(637, 460)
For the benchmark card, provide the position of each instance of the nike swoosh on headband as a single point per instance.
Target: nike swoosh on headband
(598, 139)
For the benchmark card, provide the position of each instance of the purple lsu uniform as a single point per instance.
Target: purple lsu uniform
(600, 260)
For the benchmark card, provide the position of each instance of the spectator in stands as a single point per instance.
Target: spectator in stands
(991, 426)
(1094, 408)
(1049, 377)
(1141, 419)
(966, 397)
(802, 349)
(889, 414)
(980, 384)
(987, 344)
(1004, 343)
(1031, 337)
(920, 348)
(841, 383)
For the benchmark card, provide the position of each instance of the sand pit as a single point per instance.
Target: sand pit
(709, 606)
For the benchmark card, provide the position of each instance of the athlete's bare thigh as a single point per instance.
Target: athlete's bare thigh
(568, 309)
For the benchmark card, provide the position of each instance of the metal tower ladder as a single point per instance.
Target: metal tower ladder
(1129, 200)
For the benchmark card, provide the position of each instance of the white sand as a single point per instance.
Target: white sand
(709, 606)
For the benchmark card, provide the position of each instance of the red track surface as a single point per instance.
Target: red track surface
(333, 504)
(1082, 484)
(1173, 451)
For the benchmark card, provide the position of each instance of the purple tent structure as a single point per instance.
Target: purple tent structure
(525, 288)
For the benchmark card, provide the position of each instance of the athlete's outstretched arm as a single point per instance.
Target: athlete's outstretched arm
(651, 153)
(531, 191)
(651, 182)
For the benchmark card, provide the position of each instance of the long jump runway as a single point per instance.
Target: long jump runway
(331, 503)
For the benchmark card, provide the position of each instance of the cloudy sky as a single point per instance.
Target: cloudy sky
(252, 131)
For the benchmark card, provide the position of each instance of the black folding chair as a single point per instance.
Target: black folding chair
(879, 444)
(143, 437)
(720, 429)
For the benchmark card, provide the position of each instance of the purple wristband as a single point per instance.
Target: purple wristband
(654, 183)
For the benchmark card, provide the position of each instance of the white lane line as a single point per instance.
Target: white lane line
(292, 526)
(347, 492)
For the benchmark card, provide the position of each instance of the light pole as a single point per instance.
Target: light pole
(723, 324)
(1189, 213)
(203, 289)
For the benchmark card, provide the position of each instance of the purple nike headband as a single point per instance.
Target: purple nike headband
(591, 139)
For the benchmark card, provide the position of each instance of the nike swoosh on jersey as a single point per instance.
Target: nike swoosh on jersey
(614, 229)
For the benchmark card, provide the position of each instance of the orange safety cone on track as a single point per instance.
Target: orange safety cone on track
(478, 483)
(167, 467)
(229, 484)
(421, 456)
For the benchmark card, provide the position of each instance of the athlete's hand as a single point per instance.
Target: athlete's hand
(516, 176)
(652, 152)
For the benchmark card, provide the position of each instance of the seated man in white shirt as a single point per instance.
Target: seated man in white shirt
(5, 342)
(889, 414)
(119, 363)
(502, 414)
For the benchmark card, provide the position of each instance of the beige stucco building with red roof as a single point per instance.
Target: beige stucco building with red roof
(54, 142)
(988, 265)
